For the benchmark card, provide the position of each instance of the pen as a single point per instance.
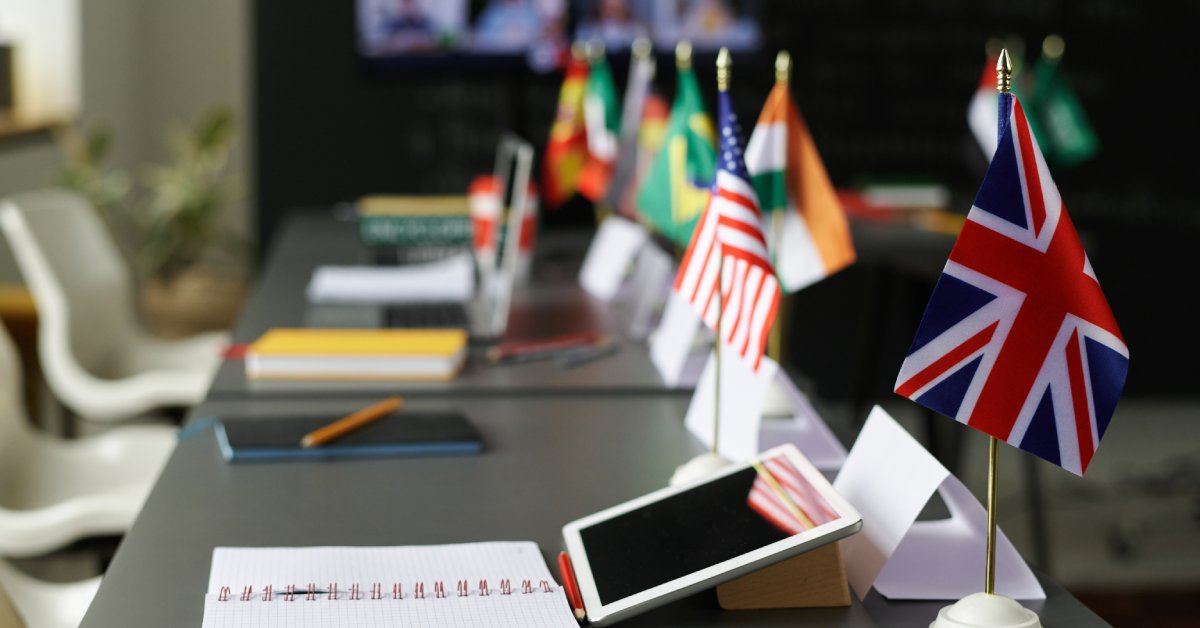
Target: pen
(525, 350)
(351, 422)
(572, 587)
(583, 355)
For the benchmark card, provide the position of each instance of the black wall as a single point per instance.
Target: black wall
(884, 85)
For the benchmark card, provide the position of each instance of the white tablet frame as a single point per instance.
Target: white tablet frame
(602, 614)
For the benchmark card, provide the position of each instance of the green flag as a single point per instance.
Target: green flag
(676, 189)
(602, 119)
(1066, 136)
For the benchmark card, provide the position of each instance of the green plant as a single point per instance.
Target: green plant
(173, 221)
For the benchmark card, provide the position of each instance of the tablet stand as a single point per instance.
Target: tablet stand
(812, 579)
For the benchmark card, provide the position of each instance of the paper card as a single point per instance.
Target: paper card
(889, 477)
(802, 427)
(742, 394)
(944, 559)
(653, 273)
(672, 341)
(612, 251)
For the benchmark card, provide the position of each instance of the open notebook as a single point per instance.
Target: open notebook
(468, 584)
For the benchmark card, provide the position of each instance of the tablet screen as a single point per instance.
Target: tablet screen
(698, 528)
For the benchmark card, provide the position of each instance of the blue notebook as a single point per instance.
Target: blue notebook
(399, 434)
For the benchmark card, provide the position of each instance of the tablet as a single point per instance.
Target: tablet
(681, 539)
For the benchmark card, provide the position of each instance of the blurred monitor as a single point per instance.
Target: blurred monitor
(536, 34)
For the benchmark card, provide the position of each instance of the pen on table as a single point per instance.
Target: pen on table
(572, 587)
(351, 422)
(583, 355)
(526, 350)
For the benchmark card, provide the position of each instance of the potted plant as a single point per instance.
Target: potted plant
(189, 264)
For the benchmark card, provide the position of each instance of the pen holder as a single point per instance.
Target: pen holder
(813, 579)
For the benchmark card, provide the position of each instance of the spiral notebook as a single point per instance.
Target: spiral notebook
(467, 584)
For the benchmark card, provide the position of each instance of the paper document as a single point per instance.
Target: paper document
(890, 477)
(450, 279)
(469, 584)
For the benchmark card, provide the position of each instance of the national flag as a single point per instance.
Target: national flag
(566, 149)
(650, 135)
(782, 496)
(1018, 340)
(676, 189)
(1065, 130)
(602, 119)
(729, 240)
(637, 89)
(982, 112)
(789, 177)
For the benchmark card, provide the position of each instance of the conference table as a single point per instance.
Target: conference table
(551, 303)
(556, 448)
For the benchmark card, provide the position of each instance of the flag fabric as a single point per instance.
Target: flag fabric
(800, 507)
(1065, 132)
(655, 112)
(1018, 340)
(567, 147)
(789, 177)
(602, 119)
(729, 240)
(676, 189)
(982, 112)
(637, 88)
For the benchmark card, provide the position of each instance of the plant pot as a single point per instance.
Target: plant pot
(196, 299)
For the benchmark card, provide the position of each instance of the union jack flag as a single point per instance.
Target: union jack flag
(1018, 340)
(729, 240)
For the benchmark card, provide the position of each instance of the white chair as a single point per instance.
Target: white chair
(96, 357)
(42, 604)
(54, 491)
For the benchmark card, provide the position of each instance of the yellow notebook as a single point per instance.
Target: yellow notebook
(357, 354)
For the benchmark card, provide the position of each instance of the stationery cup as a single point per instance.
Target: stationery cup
(488, 226)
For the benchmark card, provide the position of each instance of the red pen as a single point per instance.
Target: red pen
(568, 576)
(540, 347)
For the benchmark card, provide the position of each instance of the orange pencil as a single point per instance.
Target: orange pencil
(347, 424)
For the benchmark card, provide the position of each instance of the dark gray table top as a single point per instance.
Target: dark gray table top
(547, 461)
(553, 303)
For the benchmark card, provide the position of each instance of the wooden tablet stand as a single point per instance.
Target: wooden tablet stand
(812, 579)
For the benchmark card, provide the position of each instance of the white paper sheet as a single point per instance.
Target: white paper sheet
(742, 393)
(653, 273)
(450, 279)
(671, 343)
(889, 477)
(803, 427)
(612, 250)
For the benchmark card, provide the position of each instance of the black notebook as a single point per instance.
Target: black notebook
(397, 434)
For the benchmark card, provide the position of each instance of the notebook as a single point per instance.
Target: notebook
(357, 354)
(446, 280)
(467, 585)
(398, 434)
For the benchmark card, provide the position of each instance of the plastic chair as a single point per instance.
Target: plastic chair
(42, 604)
(96, 357)
(54, 491)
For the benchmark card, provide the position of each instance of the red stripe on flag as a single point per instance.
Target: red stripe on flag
(732, 196)
(931, 372)
(1083, 422)
(739, 225)
(753, 308)
(1033, 183)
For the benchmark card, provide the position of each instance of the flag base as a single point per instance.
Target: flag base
(777, 403)
(983, 610)
(703, 465)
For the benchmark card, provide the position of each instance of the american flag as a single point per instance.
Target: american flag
(1018, 340)
(731, 230)
(782, 496)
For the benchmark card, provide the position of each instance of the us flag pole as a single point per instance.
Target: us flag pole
(1004, 86)
(724, 64)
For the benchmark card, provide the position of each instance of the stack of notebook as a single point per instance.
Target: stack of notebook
(357, 354)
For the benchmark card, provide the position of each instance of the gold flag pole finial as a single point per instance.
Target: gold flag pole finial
(683, 55)
(642, 48)
(1053, 47)
(1004, 72)
(724, 65)
(783, 66)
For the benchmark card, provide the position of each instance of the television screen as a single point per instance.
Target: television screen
(537, 33)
